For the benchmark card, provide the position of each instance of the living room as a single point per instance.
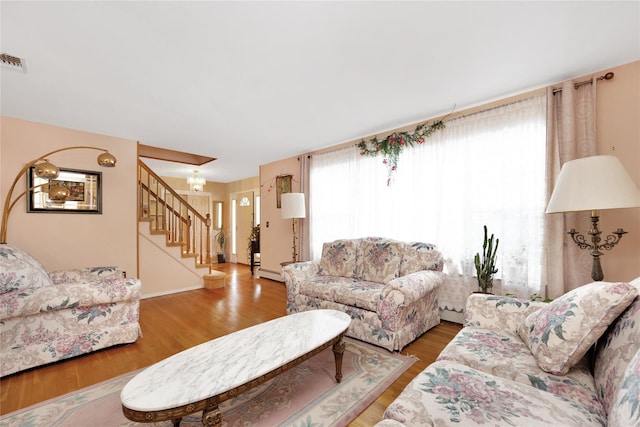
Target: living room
(71, 240)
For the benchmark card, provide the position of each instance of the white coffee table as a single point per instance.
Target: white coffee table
(199, 378)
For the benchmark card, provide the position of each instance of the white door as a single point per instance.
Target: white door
(245, 206)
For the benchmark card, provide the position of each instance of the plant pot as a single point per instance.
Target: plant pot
(485, 285)
(222, 258)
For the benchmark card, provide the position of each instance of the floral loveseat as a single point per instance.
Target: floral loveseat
(388, 287)
(46, 317)
(521, 363)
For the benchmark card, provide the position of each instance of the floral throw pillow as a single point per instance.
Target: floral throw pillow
(19, 270)
(560, 334)
(338, 259)
(420, 256)
(381, 260)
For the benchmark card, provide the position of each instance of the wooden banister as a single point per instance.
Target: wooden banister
(171, 215)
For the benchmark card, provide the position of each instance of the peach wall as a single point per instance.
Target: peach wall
(618, 133)
(247, 184)
(60, 240)
(275, 232)
(162, 269)
(618, 130)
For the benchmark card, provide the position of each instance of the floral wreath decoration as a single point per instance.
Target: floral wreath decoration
(391, 146)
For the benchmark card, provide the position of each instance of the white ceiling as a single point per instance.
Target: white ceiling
(255, 82)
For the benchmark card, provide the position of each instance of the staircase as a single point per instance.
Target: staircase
(169, 215)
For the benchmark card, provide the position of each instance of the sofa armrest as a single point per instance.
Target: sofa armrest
(498, 313)
(295, 274)
(408, 289)
(87, 274)
(299, 272)
(69, 295)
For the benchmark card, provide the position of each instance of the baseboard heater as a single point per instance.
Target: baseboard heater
(271, 275)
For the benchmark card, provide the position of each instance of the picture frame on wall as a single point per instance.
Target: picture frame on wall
(84, 192)
(283, 185)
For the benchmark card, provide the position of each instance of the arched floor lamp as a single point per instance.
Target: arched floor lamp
(48, 171)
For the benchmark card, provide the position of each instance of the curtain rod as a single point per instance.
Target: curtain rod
(607, 76)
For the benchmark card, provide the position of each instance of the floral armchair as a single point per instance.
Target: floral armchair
(47, 317)
(388, 287)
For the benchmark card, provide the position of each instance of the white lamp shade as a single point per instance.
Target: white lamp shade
(293, 205)
(593, 183)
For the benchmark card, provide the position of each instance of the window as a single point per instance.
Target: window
(257, 211)
(234, 231)
(484, 168)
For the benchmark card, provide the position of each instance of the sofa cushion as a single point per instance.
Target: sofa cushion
(380, 259)
(344, 290)
(338, 258)
(560, 334)
(505, 355)
(420, 256)
(359, 259)
(448, 393)
(20, 271)
(625, 410)
(615, 350)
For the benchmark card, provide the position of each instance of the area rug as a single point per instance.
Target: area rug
(306, 395)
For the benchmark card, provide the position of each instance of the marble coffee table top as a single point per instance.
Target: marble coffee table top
(217, 366)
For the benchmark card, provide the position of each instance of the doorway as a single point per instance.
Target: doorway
(246, 214)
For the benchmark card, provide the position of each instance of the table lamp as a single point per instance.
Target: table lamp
(592, 184)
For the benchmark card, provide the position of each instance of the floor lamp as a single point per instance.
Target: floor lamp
(592, 184)
(45, 169)
(293, 207)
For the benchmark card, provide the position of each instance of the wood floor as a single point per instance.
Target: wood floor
(176, 322)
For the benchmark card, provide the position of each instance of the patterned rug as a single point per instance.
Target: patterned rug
(304, 396)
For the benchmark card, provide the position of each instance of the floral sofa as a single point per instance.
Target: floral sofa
(388, 287)
(46, 317)
(572, 362)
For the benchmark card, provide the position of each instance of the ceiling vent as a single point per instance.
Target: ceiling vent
(12, 62)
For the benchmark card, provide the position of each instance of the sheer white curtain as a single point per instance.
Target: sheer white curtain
(485, 168)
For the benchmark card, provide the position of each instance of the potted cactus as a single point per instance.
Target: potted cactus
(486, 264)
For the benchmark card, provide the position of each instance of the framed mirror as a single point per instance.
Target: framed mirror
(83, 190)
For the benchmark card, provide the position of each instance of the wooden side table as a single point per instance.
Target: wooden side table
(255, 249)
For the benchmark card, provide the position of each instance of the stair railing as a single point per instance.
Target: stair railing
(169, 214)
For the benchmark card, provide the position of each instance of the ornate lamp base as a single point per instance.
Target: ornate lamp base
(595, 246)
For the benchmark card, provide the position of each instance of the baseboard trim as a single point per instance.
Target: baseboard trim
(271, 275)
(452, 316)
(169, 292)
